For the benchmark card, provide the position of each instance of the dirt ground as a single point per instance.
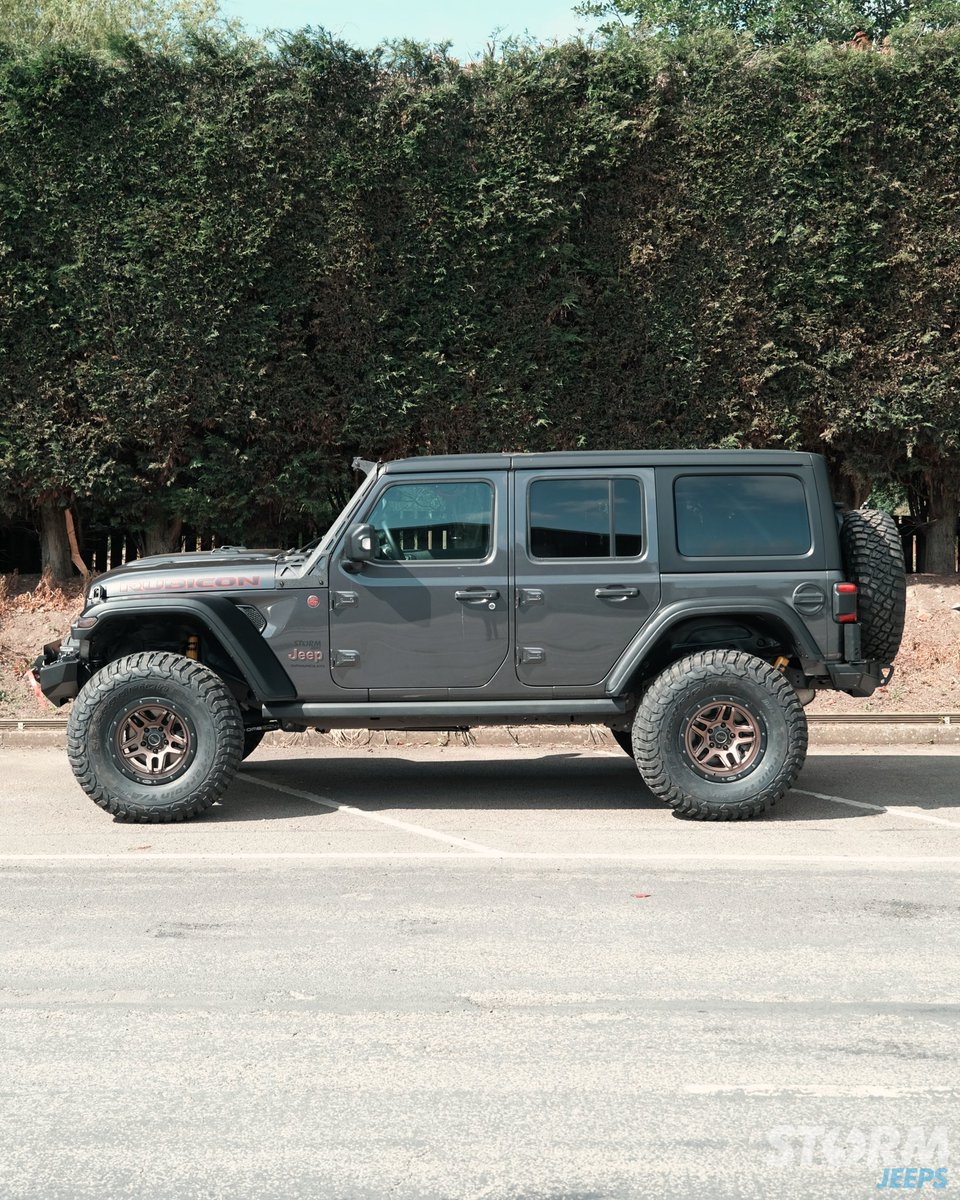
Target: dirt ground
(31, 614)
(927, 677)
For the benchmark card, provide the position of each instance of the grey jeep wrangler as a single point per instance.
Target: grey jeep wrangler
(691, 601)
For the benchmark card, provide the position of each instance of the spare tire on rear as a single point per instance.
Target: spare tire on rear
(873, 560)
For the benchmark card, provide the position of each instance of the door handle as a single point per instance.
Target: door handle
(469, 594)
(615, 592)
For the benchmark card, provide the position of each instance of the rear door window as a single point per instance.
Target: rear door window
(585, 518)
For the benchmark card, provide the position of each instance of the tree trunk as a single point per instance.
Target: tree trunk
(163, 538)
(850, 490)
(54, 543)
(940, 542)
(75, 556)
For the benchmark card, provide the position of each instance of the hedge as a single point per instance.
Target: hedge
(223, 274)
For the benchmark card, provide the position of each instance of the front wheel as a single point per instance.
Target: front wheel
(155, 737)
(720, 735)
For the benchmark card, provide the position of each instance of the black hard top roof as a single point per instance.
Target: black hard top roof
(599, 459)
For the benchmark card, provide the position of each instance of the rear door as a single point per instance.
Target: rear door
(587, 575)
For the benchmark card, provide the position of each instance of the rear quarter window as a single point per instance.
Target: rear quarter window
(741, 516)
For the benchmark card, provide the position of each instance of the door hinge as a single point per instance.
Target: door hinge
(345, 600)
(532, 654)
(344, 658)
(529, 596)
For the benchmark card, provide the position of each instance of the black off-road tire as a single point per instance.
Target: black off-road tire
(668, 710)
(200, 700)
(873, 560)
(624, 739)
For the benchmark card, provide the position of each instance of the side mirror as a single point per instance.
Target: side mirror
(361, 544)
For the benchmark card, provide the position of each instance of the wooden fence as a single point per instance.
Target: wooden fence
(104, 549)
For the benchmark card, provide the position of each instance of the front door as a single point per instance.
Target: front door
(587, 574)
(432, 610)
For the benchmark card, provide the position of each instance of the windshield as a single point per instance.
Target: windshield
(338, 525)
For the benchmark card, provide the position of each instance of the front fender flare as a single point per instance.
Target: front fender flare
(260, 667)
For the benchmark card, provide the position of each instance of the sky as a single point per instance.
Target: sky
(364, 23)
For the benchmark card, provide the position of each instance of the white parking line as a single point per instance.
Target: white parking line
(700, 860)
(860, 1091)
(721, 859)
(243, 856)
(896, 812)
(419, 830)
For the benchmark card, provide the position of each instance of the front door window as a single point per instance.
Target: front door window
(434, 522)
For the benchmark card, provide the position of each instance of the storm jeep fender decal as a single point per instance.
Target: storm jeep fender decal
(680, 610)
(260, 667)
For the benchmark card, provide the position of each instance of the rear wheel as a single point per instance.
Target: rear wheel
(720, 736)
(155, 737)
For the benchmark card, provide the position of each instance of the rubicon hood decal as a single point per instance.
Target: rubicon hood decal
(184, 583)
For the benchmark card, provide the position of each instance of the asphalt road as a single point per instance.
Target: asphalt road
(480, 973)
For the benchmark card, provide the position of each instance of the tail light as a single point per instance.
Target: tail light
(845, 603)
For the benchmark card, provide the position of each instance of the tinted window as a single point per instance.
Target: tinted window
(741, 516)
(627, 518)
(585, 518)
(434, 521)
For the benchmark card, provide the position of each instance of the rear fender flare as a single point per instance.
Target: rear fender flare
(670, 615)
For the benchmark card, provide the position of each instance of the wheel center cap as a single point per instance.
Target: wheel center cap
(154, 739)
(721, 736)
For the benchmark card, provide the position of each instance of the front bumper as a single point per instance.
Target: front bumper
(60, 673)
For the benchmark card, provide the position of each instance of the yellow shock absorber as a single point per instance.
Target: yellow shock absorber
(781, 662)
(193, 648)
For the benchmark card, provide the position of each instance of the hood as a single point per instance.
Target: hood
(231, 569)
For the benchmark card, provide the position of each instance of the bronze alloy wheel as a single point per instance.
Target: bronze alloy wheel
(153, 743)
(719, 735)
(723, 740)
(155, 737)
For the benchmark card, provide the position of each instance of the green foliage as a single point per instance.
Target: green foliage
(96, 25)
(223, 274)
(805, 22)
